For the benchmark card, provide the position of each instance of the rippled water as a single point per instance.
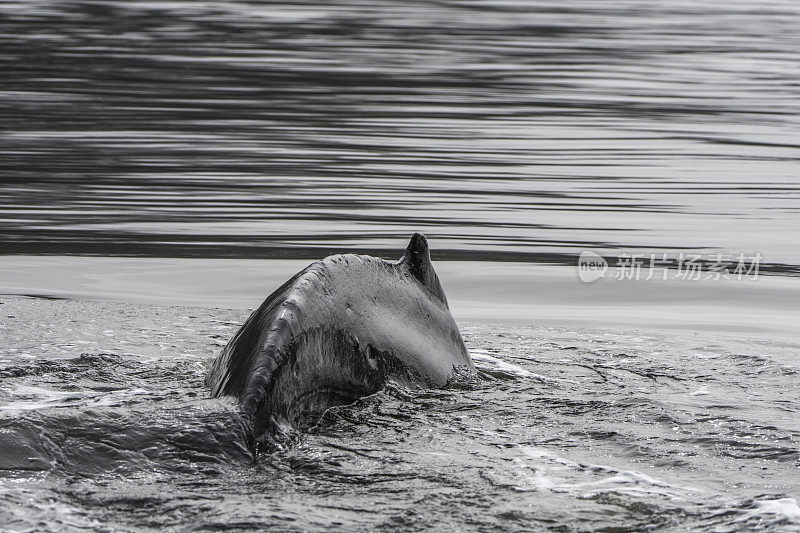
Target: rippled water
(504, 129)
(105, 424)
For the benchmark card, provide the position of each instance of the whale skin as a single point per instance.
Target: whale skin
(338, 330)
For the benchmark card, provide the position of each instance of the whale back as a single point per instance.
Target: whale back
(339, 330)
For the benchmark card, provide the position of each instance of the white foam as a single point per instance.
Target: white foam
(538, 481)
(27, 398)
(560, 474)
(783, 507)
(628, 477)
(495, 363)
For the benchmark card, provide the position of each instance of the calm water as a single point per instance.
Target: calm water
(503, 130)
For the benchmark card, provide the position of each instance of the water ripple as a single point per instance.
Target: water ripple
(505, 130)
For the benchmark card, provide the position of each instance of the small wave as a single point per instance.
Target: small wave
(560, 474)
(742, 449)
(104, 441)
(781, 509)
(498, 368)
(74, 365)
(30, 398)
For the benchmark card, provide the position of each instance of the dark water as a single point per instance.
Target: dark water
(504, 130)
(105, 424)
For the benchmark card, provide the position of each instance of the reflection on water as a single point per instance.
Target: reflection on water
(502, 129)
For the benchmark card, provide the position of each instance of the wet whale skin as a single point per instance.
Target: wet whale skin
(338, 330)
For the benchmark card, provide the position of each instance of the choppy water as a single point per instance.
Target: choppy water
(105, 424)
(504, 129)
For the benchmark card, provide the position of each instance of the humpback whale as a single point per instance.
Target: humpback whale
(341, 329)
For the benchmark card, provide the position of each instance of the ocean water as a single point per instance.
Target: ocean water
(164, 165)
(507, 130)
(105, 424)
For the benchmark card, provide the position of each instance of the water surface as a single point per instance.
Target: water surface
(505, 131)
(502, 129)
(105, 424)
